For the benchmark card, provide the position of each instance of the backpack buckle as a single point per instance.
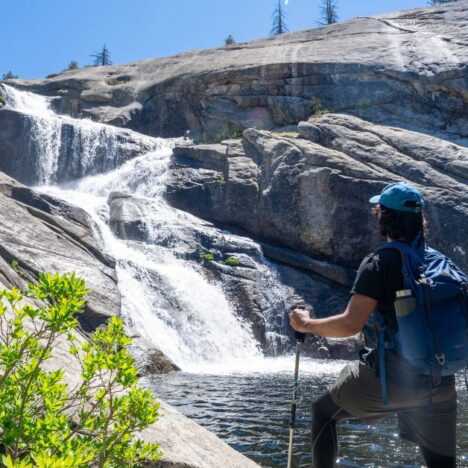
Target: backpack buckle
(441, 359)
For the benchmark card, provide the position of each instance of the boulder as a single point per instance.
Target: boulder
(126, 218)
(414, 76)
(149, 359)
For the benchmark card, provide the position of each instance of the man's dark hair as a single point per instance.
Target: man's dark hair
(399, 225)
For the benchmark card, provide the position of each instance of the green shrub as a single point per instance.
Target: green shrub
(233, 261)
(44, 422)
(2, 101)
(363, 104)
(207, 256)
(14, 264)
(73, 65)
(317, 108)
(234, 134)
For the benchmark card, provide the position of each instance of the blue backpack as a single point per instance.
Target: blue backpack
(431, 313)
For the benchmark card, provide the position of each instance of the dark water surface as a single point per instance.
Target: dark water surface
(251, 412)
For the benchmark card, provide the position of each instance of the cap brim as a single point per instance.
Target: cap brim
(375, 200)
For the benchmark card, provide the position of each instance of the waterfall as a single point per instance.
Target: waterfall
(64, 148)
(165, 297)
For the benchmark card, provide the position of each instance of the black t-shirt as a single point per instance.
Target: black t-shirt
(379, 277)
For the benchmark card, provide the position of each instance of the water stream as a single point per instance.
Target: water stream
(227, 383)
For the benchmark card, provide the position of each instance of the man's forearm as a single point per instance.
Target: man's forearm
(337, 326)
(346, 324)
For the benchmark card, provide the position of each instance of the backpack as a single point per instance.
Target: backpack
(431, 313)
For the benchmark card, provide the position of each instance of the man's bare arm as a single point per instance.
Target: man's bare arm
(350, 322)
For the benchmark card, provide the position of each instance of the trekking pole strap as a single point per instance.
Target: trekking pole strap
(382, 367)
(292, 419)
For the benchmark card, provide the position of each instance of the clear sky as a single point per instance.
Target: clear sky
(38, 37)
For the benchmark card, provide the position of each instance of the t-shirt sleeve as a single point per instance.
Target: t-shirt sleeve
(370, 278)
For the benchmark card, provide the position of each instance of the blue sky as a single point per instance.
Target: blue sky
(38, 37)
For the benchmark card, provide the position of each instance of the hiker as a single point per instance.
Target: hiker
(384, 382)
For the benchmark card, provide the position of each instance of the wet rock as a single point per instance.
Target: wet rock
(149, 359)
(41, 234)
(126, 218)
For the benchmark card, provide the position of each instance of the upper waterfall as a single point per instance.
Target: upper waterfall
(61, 148)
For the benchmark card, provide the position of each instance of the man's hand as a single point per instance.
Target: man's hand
(299, 320)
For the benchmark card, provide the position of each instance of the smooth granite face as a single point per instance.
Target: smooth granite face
(406, 69)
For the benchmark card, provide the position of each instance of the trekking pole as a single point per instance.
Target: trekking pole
(300, 338)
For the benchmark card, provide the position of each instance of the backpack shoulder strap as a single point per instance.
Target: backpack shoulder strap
(406, 270)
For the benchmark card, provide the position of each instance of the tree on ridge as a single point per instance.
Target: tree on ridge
(102, 58)
(229, 41)
(73, 65)
(279, 24)
(329, 11)
(9, 76)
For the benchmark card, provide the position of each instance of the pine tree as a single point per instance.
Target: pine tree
(329, 11)
(102, 58)
(9, 76)
(229, 41)
(279, 24)
(440, 2)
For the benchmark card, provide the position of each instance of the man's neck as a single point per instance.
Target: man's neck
(389, 239)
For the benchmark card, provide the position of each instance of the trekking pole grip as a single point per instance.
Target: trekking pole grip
(300, 336)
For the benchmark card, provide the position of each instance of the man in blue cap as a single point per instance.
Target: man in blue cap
(358, 391)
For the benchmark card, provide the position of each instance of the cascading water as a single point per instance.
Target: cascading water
(165, 298)
(65, 148)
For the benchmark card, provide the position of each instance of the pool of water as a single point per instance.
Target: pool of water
(250, 411)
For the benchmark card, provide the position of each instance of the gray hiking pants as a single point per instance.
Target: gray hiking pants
(358, 392)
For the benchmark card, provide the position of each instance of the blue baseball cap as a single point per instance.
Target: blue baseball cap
(401, 197)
